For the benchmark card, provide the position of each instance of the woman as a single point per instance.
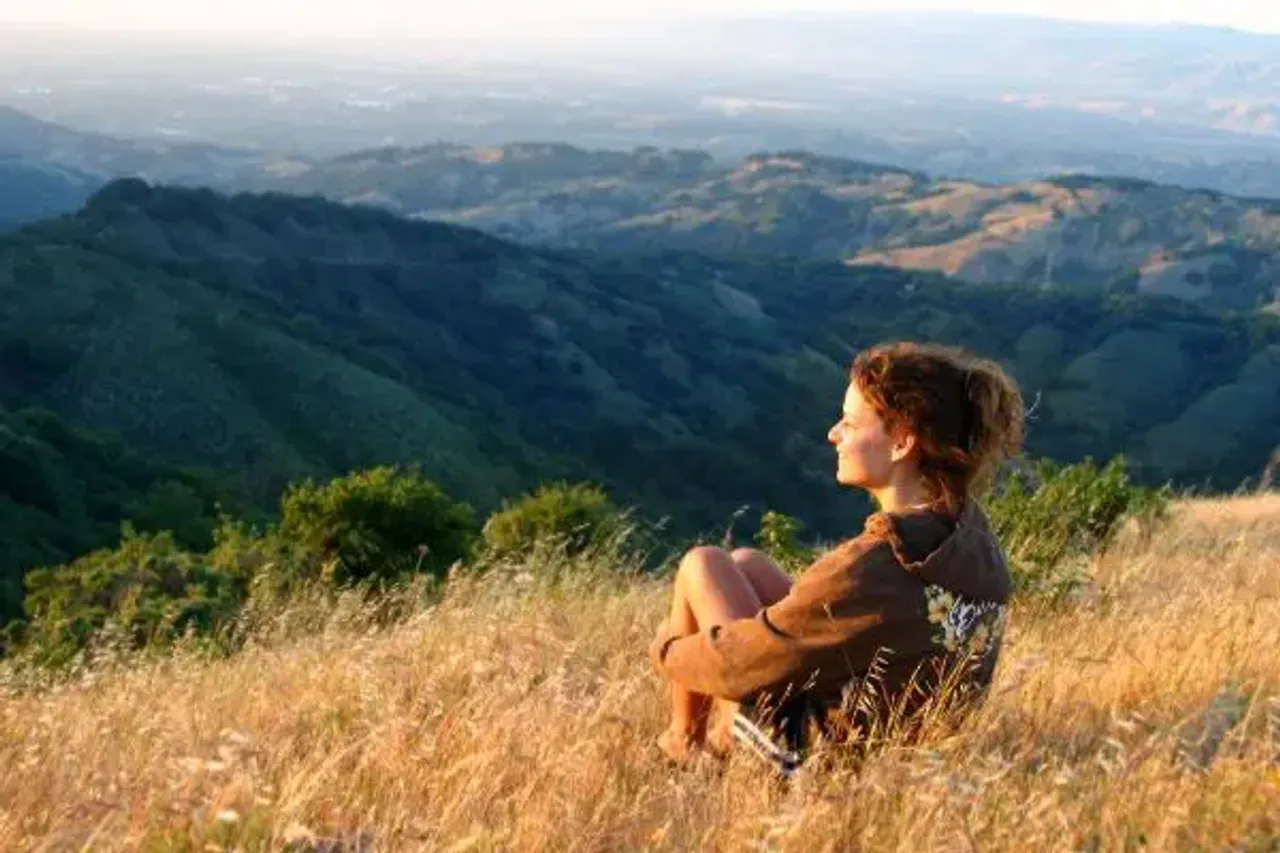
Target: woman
(877, 626)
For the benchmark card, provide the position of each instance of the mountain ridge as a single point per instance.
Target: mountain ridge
(36, 190)
(1098, 231)
(107, 157)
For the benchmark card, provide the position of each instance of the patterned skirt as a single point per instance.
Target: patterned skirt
(778, 736)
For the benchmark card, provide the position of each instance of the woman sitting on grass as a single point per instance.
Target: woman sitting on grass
(877, 626)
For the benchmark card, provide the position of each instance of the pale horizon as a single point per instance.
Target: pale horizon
(337, 19)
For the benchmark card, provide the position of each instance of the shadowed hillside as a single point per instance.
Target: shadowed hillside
(276, 338)
(65, 491)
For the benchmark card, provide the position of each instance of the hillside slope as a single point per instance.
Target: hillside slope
(276, 338)
(517, 714)
(1074, 232)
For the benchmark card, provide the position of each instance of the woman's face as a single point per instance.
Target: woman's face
(865, 451)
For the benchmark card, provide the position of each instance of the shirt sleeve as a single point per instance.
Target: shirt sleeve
(820, 623)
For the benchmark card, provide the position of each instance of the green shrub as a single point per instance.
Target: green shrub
(778, 537)
(1050, 517)
(148, 587)
(269, 565)
(375, 525)
(572, 517)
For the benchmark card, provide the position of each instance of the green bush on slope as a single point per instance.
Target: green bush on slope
(1050, 516)
(573, 516)
(375, 525)
(148, 587)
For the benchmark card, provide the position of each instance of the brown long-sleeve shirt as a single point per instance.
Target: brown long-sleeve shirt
(910, 589)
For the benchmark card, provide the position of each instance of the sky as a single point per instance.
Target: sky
(506, 18)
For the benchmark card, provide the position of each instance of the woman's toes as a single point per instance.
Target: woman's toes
(677, 746)
(720, 739)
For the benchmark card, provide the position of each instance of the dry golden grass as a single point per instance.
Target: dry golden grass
(515, 715)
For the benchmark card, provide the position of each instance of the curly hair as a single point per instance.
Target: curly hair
(965, 412)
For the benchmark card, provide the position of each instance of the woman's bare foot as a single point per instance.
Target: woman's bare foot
(678, 746)
(720, 738)
(684, 749)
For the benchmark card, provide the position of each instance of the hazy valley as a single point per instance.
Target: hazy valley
(1187, 105)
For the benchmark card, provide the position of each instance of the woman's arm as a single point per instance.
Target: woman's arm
(828, 620)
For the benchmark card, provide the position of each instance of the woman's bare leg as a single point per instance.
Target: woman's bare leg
(713, 587)
(769, 581)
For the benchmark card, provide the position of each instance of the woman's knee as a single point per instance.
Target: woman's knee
(768, 580)
(714, 587)
(743, 556)
(705, 563)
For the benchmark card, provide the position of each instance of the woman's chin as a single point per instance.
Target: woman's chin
(846, 478)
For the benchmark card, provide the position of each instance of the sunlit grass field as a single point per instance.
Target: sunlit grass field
(517, 711)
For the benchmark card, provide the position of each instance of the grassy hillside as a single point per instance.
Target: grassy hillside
(518, 713)
(1072, 232)
(277, 338)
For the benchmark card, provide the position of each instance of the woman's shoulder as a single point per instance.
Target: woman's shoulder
(865, 550)
(911, 535)
(886, 542)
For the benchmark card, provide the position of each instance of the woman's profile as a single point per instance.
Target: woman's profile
(880, 622)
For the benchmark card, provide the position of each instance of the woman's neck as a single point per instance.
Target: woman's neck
(903, 497)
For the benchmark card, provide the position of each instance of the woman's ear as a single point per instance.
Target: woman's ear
(903, 445)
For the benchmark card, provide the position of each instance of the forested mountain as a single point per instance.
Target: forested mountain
(265, 339)
(1076, 232)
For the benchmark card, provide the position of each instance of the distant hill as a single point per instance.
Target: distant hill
(98, 155)
(274, 338)
(1075, 232)
(1112, 234)
(30, 191)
